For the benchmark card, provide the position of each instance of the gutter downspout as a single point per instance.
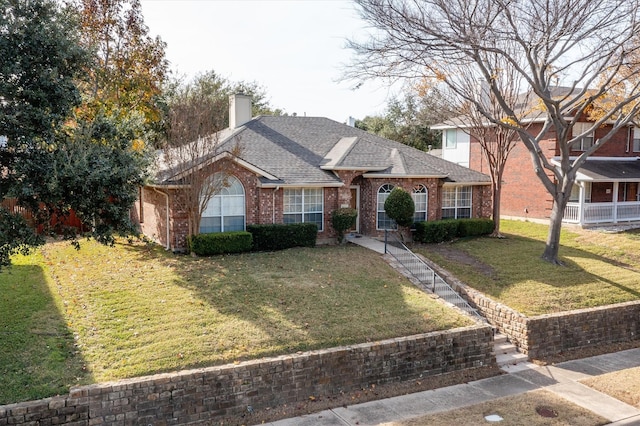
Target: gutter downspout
(166, 197)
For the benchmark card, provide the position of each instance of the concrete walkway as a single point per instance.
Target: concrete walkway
(366, 242)
(561, 379)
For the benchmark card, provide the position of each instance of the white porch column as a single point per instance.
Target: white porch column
(615, 202)
(581, 197)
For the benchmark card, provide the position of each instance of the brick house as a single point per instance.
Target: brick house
(300, 169)
(607, 187)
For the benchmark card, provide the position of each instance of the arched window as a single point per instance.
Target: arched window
(384, 221)
(225, 211)
(420, 199)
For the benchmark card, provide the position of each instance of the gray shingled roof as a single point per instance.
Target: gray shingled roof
(294, 150)
(624, 169)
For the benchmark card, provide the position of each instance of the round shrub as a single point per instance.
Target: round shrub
(400, 207)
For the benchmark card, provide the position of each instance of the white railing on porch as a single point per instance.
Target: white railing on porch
(627, 211)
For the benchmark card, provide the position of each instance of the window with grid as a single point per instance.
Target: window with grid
(384, 221)
(419, 195)
(584, 142)
(636, 139)
(456, 202)
(225, 211)
(304, 205)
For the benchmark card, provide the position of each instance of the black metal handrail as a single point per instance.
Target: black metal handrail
(428, 278)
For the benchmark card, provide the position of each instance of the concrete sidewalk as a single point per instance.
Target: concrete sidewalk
(561, 379)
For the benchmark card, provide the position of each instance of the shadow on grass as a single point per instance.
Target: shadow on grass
(37, 354)
(498, 266)
(302, 299)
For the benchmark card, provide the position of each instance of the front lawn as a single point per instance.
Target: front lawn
(600, 268)
(101, 313)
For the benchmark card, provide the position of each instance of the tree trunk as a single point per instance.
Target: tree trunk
(552, 246)
(497, 191)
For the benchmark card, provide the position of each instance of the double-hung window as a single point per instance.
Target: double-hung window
(456, 202)
(420, 197)
(584, 142)
(304, 205)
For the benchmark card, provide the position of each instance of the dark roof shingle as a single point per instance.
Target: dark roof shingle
(294, 150)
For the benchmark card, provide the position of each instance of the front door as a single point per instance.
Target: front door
(354, 203)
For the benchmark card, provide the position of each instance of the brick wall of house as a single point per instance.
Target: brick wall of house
(369, 200)
(211, 394)
(481, 201)
(265, 205)
(151, 212)
(523, 195)
(620, 145)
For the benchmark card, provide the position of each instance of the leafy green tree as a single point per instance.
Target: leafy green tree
(61, 154)
(41, 58)
(407, 120)
(94, 170)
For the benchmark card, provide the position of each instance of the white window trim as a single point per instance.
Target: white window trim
(458, 206)
(378, 210)
(303, 212)
(579, 128)
(221, 197)
(636, 140)
(454, 143)
(426, 194)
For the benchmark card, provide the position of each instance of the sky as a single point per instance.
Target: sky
(295, 49)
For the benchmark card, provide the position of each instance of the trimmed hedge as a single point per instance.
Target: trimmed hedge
(448, 229)
(220, 242)
(282, 236)
(474, 227)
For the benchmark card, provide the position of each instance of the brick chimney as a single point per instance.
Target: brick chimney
(239, 110)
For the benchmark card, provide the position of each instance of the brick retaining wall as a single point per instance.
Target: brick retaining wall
(216, 392)
(557, 333)
(552, 334)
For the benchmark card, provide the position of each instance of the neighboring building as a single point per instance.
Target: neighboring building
(300, 169)
(607, 188)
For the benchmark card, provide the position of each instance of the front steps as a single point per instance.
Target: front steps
(507, 356)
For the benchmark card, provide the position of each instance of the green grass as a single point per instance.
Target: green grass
(136, 310)
(600, 268)
(37, 356)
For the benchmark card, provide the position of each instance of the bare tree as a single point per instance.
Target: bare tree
(195, 158)
(496, 142)
(546, 42)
